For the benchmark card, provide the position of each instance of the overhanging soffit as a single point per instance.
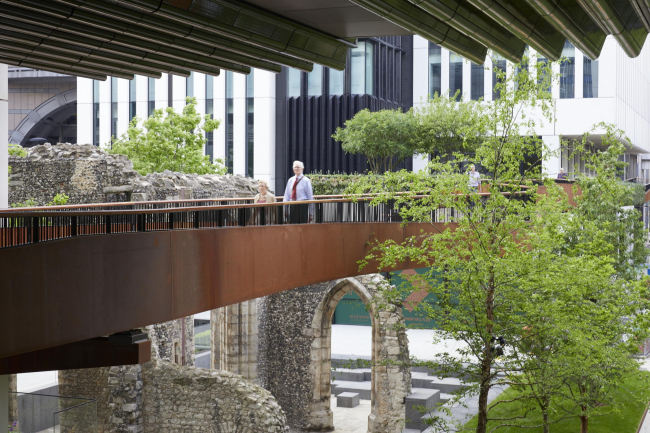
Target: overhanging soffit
(122, 38)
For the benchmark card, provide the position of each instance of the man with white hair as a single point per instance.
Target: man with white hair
(299, 188)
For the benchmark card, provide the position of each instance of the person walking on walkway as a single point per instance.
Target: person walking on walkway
(298, 189)
(264, 215)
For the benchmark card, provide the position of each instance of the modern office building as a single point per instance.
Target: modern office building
(268, 120)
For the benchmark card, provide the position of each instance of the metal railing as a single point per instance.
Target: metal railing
(25, 226)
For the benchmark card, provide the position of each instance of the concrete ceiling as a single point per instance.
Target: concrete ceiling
(341, 18)
(121, 38)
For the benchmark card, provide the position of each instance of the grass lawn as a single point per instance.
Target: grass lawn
(625, 421)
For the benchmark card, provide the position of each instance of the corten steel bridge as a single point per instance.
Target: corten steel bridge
(71, 274)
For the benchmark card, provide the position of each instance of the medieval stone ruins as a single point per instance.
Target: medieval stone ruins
(271, 366)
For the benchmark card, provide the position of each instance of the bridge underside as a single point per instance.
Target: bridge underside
(98, 38)
(76, 289)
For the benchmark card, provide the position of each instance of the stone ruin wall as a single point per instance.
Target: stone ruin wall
(182, 399)
(87, 174)
(295, 350)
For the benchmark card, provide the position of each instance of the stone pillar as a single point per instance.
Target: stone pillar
(4, 137)
(234, 335)
(125, 399)
(13, 398)
(4, 394)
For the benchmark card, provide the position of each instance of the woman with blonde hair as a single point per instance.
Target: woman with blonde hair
(264, 196)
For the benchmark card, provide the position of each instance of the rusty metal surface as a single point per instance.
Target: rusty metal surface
(75, 289)
(83, 354)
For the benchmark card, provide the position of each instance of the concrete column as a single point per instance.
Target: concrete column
(239, 124)
(487, 80)
(4, 380)
(220, 113)
(85, 111)
(420, 70)
(4, 150)
(579, 74)
(551, 164)
(264, 128)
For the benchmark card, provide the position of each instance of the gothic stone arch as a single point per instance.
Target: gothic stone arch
(295, 354)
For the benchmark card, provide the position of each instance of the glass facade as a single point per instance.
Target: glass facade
(96, 112)
(541, 63)
(151, 97)
(209, 110)
(189, 85)
(250, 123)
(455, 75)
(229, 121)
(435, 70)
(113, 108)
(498, 66)
(294, 83)
(132, 99)
(478, 82)
(362, 68)
(315, 81)
(567, 71)
(336, 82)
(590, 78)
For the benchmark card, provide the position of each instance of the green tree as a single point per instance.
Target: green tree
(169, 141)
(445, 126)
(505, 279)
(385, 137)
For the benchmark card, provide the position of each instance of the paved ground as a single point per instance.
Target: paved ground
(351, 420)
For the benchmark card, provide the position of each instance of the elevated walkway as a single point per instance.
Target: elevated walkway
(74, 273)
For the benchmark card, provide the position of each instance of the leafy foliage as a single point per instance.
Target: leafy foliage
(445, 125)
(385, 137)
(536, 288)
(170, 141)
(332, 184)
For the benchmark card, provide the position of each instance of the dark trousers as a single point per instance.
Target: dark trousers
(298, 213)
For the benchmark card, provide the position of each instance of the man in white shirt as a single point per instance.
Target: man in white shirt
(298, 188)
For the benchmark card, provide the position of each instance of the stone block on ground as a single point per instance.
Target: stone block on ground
(347, 399)
(418, 404)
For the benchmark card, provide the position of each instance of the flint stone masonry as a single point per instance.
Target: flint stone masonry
(88, 383)
(13, 398)
(295, 353)
(87, 174)
(191, 400)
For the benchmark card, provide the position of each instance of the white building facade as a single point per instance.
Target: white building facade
(613, 89)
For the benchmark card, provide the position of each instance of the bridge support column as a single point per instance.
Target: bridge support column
(234, 342)
(4, 137)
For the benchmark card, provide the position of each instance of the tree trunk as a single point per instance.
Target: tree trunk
(486, 363)
(584, 424)
(483, 397)
(546, 428)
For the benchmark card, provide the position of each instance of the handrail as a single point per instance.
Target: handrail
(47, 210)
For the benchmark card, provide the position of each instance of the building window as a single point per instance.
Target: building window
(498, 66)
(96, 113)
(229, 121)
(337, 81)
(250, 124)
(189, 85)
(315, 81)
(132, 99)
(541, 75)
(362, 68)
(478, 82)
(151, 98)
(293, 83)
(113, 108)
(590, 78)
(209, 110)
(455, 75)
(435, 70)
(567, 71)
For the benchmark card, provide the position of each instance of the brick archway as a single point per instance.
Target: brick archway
(390, 378)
